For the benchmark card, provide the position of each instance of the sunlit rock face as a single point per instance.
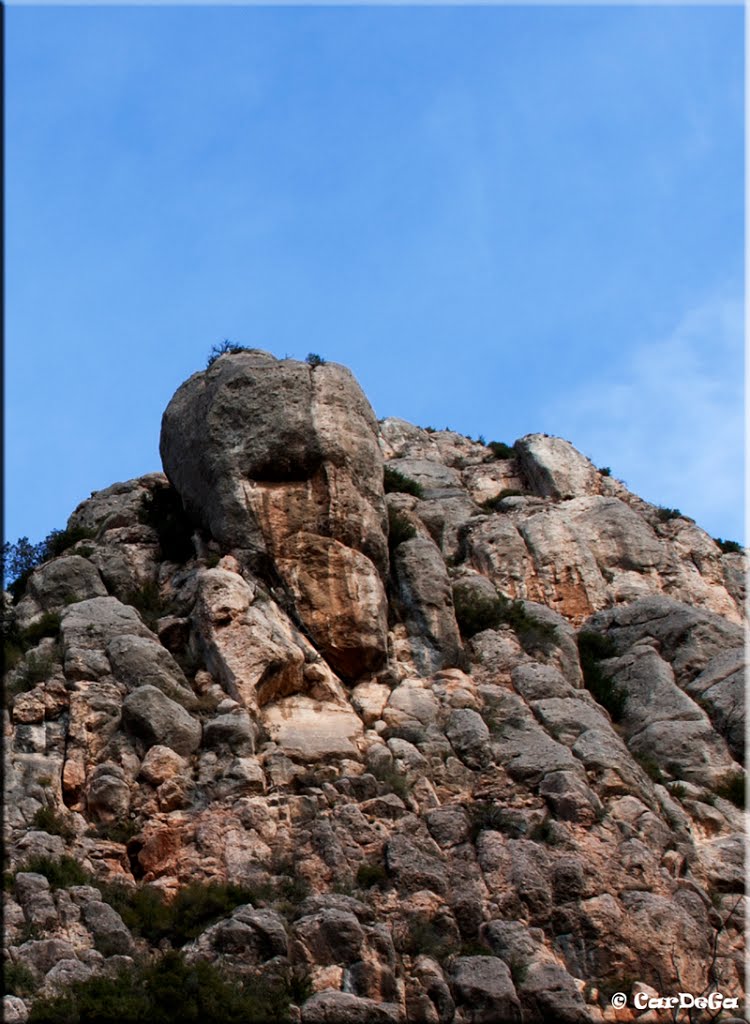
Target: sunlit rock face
(478, 759)
(280, 462)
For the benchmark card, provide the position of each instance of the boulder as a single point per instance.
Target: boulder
(155, 719)
(483, 986)
(281, 460)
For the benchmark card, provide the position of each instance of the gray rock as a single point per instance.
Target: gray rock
(414, 862)
(483, 986)
(66, 973)
(449, 825)
(548, 992)
(111, 937)
(108, 792)
(233, 730)
(469, 737)
(41, 955)
(115, 506)
(140, 661)
(553, 467)
(329, 1006)
(277, 458)
(155, 719)
(426, 600)
(56, 584)
(329, 937)
(570, 798)
(14, 1010)
(537, 682)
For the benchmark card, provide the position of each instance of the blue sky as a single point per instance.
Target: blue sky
(503, 219)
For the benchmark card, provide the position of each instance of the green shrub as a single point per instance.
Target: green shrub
(605, 471)
(18, 980)
(147, 602)
(651, 767)
(12, 652)
(147, 913)
(393, 781)
(21, 558)
(226, 347)
(370, 875)
(162, 510)
(399, 529)
(313, 359)
(545, 832)
(487, 816)
(500, 450)
(58, 541)
(729, 547)
(117, 831)
(732, 787)
(593, 648)
(476, 611)
(665, 514)
(48, 624)
(60, 873)
(48, 820)
(36, 669)
(169, 990)
(393, 481)
(426, 938)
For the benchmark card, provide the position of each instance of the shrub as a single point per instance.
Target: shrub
(732, 787)
(163, 511)
(425, 937)
(168, 990)
(500, 450)
(545, 832)
(147, 601)
(508, 492)
(605, 471)
(18, 980)
(117, 831)
(593, 648)
(60, 873)
(393, 781)
(19, 561)
(476, 611)
(48, 624)
(729, 547)
(651, 767)
(399, 529)
(393, 481)
(313, 359)
(48, 820)
(226, 347)
(370, 875)
(665, 514)
(487, 816)
(58, 541)
(146, 912)
(36, 669)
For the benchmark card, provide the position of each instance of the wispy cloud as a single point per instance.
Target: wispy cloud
(668, 418)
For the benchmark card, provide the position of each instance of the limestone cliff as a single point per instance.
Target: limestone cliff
(468, 743)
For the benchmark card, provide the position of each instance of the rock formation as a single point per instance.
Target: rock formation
(466, 752)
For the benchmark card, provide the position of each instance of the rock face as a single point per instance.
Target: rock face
(467, 752)
(280, 460)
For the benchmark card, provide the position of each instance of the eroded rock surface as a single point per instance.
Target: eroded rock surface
(437, 810)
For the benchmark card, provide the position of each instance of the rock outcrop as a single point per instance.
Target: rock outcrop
(467, 751)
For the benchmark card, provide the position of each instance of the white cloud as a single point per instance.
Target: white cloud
(668, 418)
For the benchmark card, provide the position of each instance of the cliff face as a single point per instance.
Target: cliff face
(468, 745)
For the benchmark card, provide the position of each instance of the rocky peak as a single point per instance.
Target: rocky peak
(457, 729)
